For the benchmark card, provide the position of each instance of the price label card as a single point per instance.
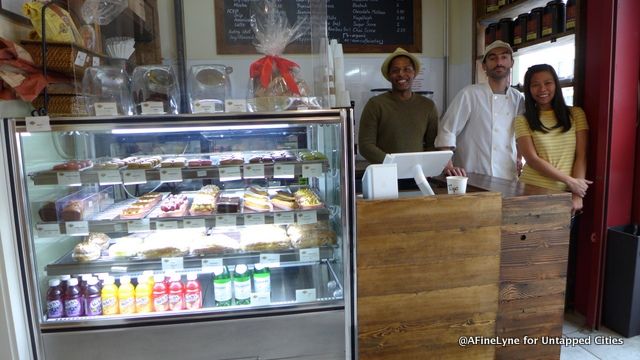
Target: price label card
(254, 171)
(307, 217)
(263, 298)
(201, 173)
(81, 58)
(119, 269)
(106, 108)
(96, 61)
(77, 227)
(305, 295)
(286, 171)
(172, 263)
(166, 225)
(138, 225)
(310, 255)
(152, 108)
(130, 177)
(283, 218)
(210, 264)
(254, 219)
(207, 106)
(48, 230)
(69, 178)
(270, 260)
(225, 220)
(235, 105)
(229, 173)
(109, 177)
(38, 123)
(193, 223)
(312, 170)
(171, 175)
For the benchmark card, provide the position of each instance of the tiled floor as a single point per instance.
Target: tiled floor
(572, 328)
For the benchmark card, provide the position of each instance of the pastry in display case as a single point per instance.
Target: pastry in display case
(248, 237)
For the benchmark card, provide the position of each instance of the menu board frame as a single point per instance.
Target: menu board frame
(226, 47)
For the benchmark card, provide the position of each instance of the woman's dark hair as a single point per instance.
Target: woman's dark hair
(557, 104)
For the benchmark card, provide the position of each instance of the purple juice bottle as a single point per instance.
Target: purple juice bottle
(73, 299)
(55, 307)
(92, 298)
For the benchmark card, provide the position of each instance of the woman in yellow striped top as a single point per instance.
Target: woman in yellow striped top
(552, 137)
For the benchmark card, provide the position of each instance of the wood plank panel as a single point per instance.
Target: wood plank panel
(534, 240)
(533, 257)
(425, 278)
(531, 289)
(524, 273)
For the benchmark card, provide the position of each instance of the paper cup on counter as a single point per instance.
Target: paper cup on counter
(456, 184)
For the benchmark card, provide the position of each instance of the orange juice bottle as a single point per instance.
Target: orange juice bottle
(143, 295)
(109, 295)
(126, 297)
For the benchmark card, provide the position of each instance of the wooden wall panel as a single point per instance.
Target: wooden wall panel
(427, 273)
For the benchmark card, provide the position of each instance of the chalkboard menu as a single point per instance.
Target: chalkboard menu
(366, 26)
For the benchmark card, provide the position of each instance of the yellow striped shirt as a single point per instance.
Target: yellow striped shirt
(556, 147)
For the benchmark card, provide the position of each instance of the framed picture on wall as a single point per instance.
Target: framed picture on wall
(13, 10)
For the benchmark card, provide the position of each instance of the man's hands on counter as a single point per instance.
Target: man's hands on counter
(451, 170)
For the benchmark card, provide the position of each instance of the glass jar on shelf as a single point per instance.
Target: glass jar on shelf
(155, 90)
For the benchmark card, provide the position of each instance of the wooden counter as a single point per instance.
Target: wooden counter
(489, 263)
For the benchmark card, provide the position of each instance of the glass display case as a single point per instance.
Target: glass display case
(198, 233)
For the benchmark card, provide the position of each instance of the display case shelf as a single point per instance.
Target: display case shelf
(508, 11)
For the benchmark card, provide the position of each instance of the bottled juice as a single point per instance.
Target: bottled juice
(92, 298)
(160, 294)
(126, 297)
(72, 299)
(82, 283)
(242, 285)
(109, 296)
(261, 279)
(143, 295)
(176, 293)
(101, 277)
(148, 274)
(55, 306)
(192, 292)
(222, 286)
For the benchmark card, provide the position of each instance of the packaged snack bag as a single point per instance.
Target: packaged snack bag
(58, 23)
(274, 82)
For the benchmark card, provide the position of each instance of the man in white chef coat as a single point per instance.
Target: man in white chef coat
(478, 125)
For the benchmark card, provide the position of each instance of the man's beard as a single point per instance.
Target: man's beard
(496, 76)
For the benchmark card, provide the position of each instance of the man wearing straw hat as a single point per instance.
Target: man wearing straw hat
(398, 120)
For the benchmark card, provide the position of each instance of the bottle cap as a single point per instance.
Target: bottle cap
(241, 269)
(218, 270)
(65, 277)
(192, 276)
(175, 277)
(125, 279)
(73, 281)
(259, 266)
(142, 279)
(158, 278)
(92, 281)
(54, 282)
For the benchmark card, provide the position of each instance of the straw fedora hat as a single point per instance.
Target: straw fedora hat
(398, 52)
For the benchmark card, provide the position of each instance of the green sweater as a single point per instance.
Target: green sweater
(390, 125)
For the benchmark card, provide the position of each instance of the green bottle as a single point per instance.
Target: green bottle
(222, 286)
(242, 285)
(261, 279)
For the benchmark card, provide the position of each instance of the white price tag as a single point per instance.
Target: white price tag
(253, 171)
(130, 177)
(152, 107)
(170, 174)
(95, 61)
(229, 173)
(235, 105)
(106, 108)
(166, 225)
(283, 218)
(270, 260)
(225, 220)
(38, 123)
(109, 177)
(77, 227)
(210, 264)
(193, 223)
(119, 269)
(254, 219)
(286, 171)
(309, 255)
(307, 217)
(172, 263)
(258, 299)
(305, 295)
(69, 178)
(48, 230)
(81, 58)
(138, 225)
(207, 106)
(201, 173)
(312, 170)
